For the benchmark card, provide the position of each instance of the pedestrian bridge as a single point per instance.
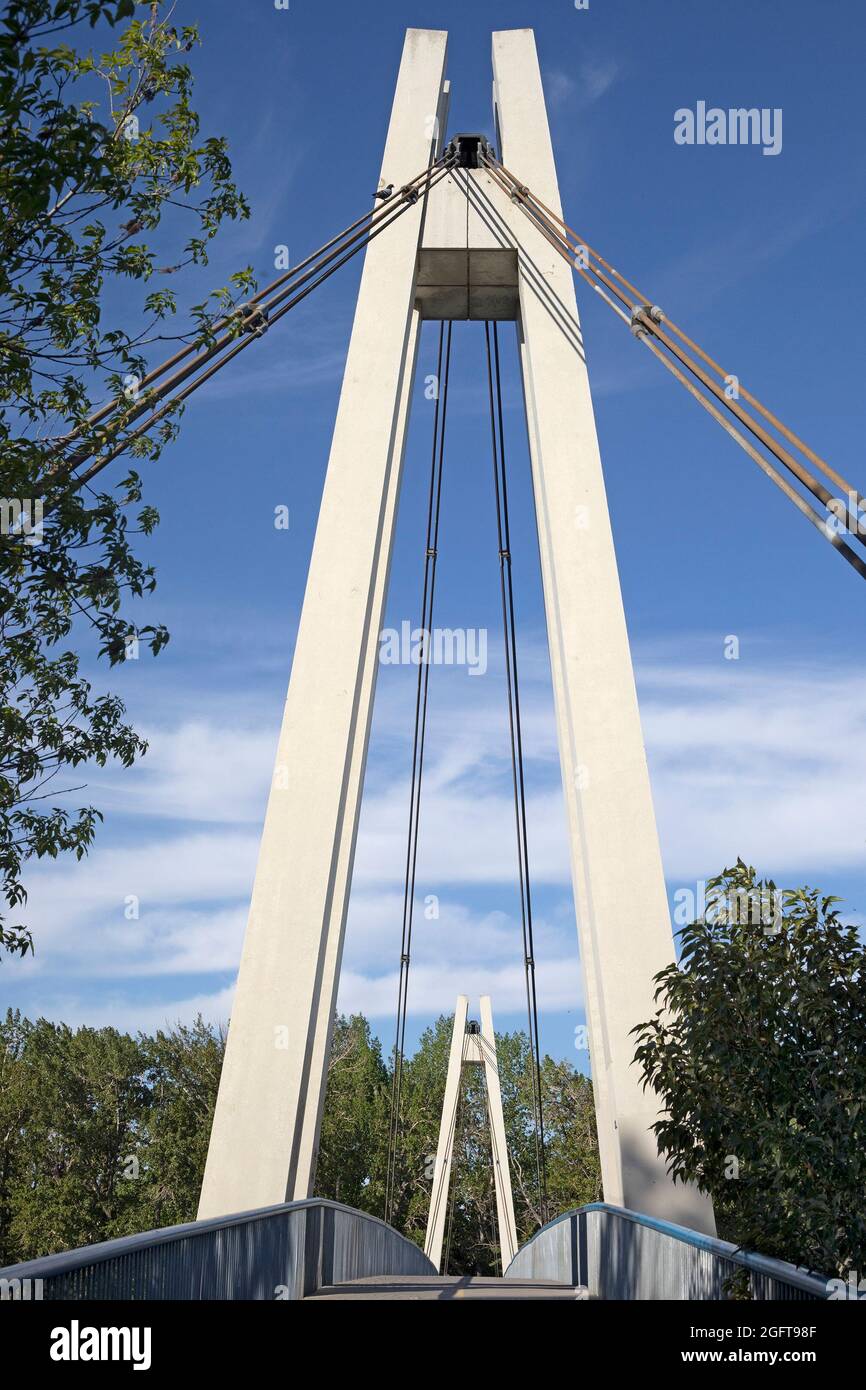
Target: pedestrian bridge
(319, 1250)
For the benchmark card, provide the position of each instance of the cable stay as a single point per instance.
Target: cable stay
(509, 633)
(230, 336)
(431, 551)
(645, 321)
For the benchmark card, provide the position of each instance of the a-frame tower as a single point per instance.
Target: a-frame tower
(465, 250)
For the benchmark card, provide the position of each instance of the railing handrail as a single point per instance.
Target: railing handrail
(761, 1264)
(47, 1266)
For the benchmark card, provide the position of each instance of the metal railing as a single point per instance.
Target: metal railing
(281, 1252)
(619, 1254)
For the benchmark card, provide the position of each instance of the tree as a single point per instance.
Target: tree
(758, 1053)
(97, 153)
(14, 1109)
(181, 1068)
(101, 1134)
(83, 1102)
(355, 1121)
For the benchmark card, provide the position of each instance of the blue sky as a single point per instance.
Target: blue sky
(759, 258)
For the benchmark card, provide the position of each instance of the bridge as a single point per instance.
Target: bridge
(320, 1250)
(467, 239)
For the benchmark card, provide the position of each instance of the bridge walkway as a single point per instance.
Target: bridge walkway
(443, 1287)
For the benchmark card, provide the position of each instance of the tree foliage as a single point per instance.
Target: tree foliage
(758, 1052)
(103, 1134)
(106, 189)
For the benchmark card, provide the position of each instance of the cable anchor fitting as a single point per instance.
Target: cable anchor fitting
(254, 319)
(468, 149)
(650, 311)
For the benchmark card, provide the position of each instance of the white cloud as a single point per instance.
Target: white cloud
(768, 764)
(132, 1016)
(192, 892)
(596, 78)
(461, 952)
(196, 771)
(593, 79)
(755, 757)
(434, 988)
(559, 87)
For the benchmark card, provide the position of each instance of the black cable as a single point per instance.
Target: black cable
(494, 382)
(419, 735)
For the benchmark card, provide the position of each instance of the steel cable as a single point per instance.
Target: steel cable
(431, 552)
(506, 583)
(644, 324)
(271, 311)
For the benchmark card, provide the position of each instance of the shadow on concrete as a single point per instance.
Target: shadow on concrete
(534, 277)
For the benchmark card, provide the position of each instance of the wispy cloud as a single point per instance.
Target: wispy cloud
(462, 951)
(595, 79)
(758, 757)
(585, 87)
(700, 275)
(559, 87)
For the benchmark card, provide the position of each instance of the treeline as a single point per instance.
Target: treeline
(103, 1134)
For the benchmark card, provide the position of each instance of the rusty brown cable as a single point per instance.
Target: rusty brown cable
(784, 430)
(771, 472)
(80, 479)
(335, 246)
(814, 485)
(763, 463)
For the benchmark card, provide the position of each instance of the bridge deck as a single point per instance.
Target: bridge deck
(429, 1286)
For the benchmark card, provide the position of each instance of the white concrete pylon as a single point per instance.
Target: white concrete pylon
(472, 1049)
(501, 1166)
(268, 1112)
(620, 897)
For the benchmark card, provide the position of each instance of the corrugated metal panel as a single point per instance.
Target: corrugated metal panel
(618, 1254)
(285, 1251)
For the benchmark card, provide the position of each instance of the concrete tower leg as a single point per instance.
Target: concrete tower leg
(268, 1113)
(619, 889)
